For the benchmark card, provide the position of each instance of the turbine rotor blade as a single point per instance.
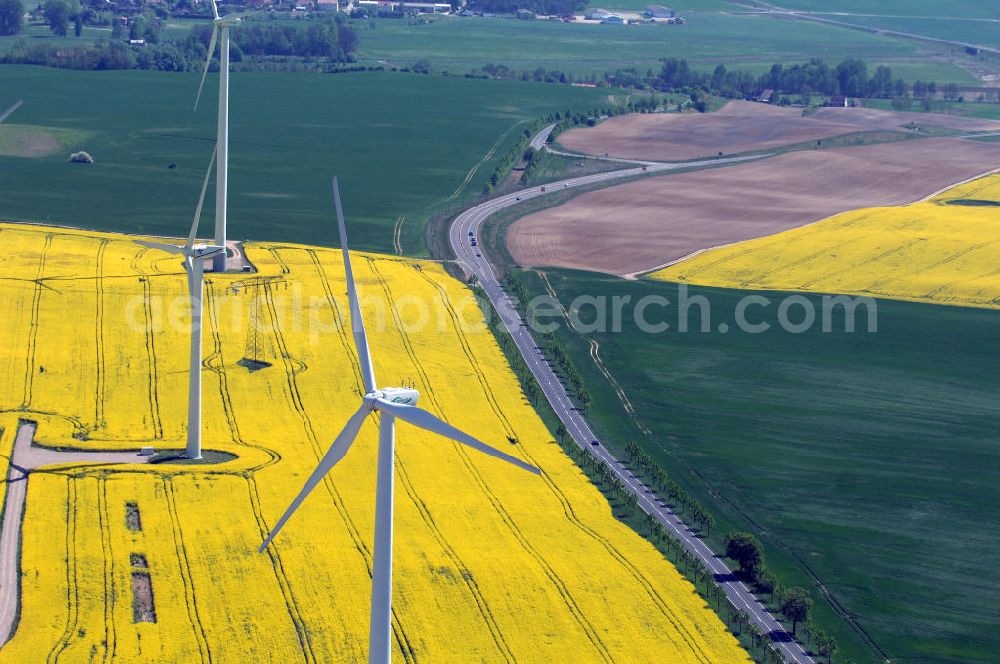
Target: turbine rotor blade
(169, 248)
(201, 200)
(425, 420)
(357, 323)
(337, 450)
(215, 10)
(195, 277)
(208, 58)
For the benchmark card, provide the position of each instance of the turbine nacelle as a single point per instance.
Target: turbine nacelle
(205, 250)
(227, 21)
(403, 396)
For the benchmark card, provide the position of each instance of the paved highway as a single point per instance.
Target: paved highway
(475, 263)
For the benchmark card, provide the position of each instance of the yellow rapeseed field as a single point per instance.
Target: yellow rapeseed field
(491, 564)
(933, 251)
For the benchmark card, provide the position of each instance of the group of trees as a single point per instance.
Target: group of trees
(323, 38)
(849, 77)
(253, 44)
(552, 348)
(795, 603)
(682, 501)
(11, 13)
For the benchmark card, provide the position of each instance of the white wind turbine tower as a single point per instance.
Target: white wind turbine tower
(220, 26)
(194, 264)
(392, 403)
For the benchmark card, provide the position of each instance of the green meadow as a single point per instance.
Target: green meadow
(865, 462)
(909, 8)
(405, 145)
(457, 44)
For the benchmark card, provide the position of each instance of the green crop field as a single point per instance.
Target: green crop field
(972, 21)
(458, 44)
(867, 460)
(981, 32)
(35, 33)
(970, 109)
(402, 143)
(942, 8)
(681, 6)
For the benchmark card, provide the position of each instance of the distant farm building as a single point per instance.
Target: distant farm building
(328, 5)
(596, 14)
(525, 14)
(659, 11)
(614, 19)
(765, 96)
(838, 101)
(391, 7)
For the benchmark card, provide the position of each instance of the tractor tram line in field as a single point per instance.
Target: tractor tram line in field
(104, 523)
(224, 394)
(465, 225)
(405, 645)
(291, 604)
(571, 604)
(184, 568)
(99, 334)
(72, 589)
(153, 380)
(561, 587)
(477, 595)
(253, 497)
(36, 301)
(482, 605)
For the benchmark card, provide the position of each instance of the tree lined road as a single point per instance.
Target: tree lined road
(476, 264)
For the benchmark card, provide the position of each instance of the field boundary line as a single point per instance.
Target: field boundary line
(6, 114)
(632, 276)
(486, 157)
(957, 184)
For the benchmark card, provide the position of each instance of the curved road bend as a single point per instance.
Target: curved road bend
(473, 262)
(24, 457)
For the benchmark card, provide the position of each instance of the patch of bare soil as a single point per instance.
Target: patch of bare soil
(143, 607)
(742, 126)
(24, 141)
(132, 518)
(641, 225)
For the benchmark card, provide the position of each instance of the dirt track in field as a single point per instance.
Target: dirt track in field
(742, 126)
(642, 225)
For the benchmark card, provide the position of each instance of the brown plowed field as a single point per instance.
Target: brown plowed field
(741, 126)
(641, 225)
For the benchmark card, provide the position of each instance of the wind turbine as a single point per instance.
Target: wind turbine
(392, 403)
(194, 265)
(220, 26)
